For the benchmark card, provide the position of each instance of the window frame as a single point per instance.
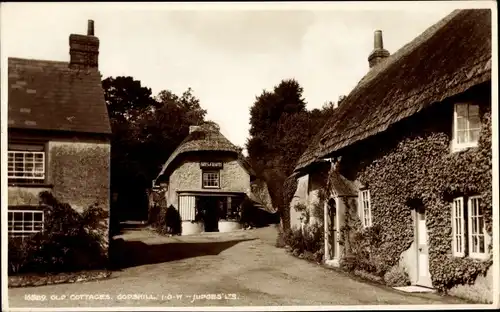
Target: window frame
(210, 171)
(456, 147)
(11, 222)
(470, 234)
(458, 252)
(364, 196)
(35, 148)
(467, 234)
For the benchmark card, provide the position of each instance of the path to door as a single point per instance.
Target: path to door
(240, 268)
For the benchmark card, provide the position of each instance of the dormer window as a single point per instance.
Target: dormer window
(466, 126)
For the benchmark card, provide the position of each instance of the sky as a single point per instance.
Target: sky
(227, 53)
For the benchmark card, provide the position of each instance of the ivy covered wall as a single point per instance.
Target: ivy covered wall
(412, 163)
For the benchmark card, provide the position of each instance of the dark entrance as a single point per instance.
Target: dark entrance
(210, 207)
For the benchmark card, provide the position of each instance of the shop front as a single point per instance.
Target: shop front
(206, 179)
(210, 211)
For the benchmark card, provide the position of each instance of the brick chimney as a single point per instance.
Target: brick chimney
(378, 53)
(84, 50)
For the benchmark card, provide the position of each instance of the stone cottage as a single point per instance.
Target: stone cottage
(58, 134)
(207, 180)
(406, 162)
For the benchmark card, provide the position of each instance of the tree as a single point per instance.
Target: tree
(280, 131)
(269, 148)
(145, 131)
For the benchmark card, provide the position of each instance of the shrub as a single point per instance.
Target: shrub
(168, 221)
(396, 276)
(305, 215)
(307, 242)
(70, 241)
(348, 263)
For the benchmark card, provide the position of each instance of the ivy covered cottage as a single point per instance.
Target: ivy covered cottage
(207, 180)
(404, 163)
(58, 134)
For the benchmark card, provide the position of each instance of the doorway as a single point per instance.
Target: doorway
(333, 229)
(210, 208)
(422, 243)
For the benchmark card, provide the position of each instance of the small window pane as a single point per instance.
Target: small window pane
(474, 122)
(38, 216)
(474, 135)
(28, 216)
(473, 110)
(461, 136)
(461, 110)
(461, 124)
(481, 244)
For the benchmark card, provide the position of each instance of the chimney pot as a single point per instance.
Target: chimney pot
(90, 28)
(378, 42)
(379, 53)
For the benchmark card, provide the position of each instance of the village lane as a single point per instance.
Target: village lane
(242, 268)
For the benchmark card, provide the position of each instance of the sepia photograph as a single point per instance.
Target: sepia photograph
(249, 156)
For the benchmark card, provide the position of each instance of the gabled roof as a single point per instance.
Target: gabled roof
(447, 59)
(48, 95)
(204, 139)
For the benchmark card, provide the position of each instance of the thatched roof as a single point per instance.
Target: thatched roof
(447, 59)
(204, 138)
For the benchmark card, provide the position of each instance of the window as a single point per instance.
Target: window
(467, 125)
(211, 179)
(26, 163)
(468, 230)
(23, 223)
(458, 227)
(365, 208)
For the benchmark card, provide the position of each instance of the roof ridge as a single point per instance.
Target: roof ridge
(32, 60)
(406, 49)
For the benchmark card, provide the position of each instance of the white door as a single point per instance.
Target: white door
(424, 276)
(187, 207)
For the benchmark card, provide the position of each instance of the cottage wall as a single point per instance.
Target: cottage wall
(299, 197)
(187, 176)
(358, 157)
(77, 173)
(316, 184)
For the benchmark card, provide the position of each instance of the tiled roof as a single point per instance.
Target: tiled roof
(48, 95)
